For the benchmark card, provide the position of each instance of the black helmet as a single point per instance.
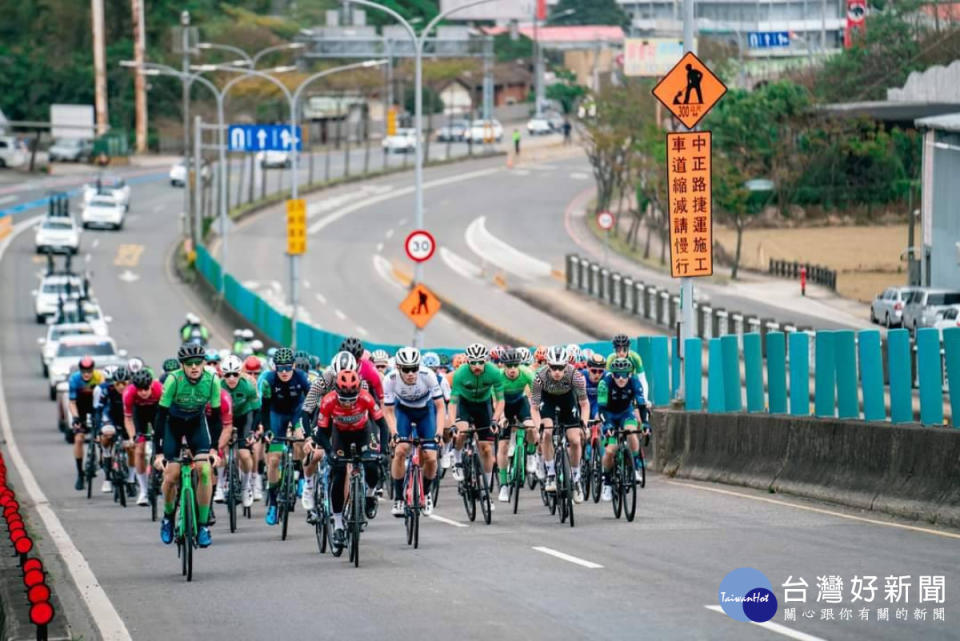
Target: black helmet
(120, 375)
(301, 354)
(510, 357)
(171, 365)
(302, 363)
(284, 356)
(143, 379)
(190, 350)
(596, 361)
(352, 345)
(445, 360)
(621, 341)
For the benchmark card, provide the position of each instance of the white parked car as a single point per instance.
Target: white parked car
(405, 140)
(949, 317)
(50, 342)
(103, 211)
(12, 152)
(485, 131)
(72, 348)
(178, 173)
(92, 315)
(274, 159)
(57, 234)
(539, 127)
(72, 149)
(107, 185)
(52, 289)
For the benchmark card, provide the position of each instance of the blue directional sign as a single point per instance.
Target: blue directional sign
(263, 138)
(768, 39)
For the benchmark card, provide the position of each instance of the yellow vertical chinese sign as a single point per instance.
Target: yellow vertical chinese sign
(689, 189)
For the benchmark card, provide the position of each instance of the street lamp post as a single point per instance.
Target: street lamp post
(283, 47)
(221, 47)
(418, 43)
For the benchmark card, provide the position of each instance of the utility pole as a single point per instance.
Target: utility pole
(538, 61)
(187, 192)
(99, 67)
(140, 89)
(686, 284)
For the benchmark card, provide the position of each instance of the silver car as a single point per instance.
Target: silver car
(936, 302)
(887, 308)
(72, 348)
(55, 333)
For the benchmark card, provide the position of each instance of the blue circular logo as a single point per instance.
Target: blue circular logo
(746, 594)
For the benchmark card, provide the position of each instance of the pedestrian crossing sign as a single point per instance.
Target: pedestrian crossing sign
(420, 305)
(689, 90)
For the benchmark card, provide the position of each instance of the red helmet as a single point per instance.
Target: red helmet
(86, 363)
(348, 385)
(459, 360)
(252, 365)
(540, 355)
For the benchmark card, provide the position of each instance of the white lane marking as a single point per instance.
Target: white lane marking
(520, 172)
(567, 557)
(331, 203)
(385, 270)
(96, 243)
(579, 175)
(306, 283)
(105, 616)
(321, 298)
(7, 199)
(460, 265)
(442, 519)
(774, 627)
(362, 331)
(818, 510)
(389, 234)
(349, 209)
(340, 314)
(379, 247)
(487, 246)
(401, 222)
(251, 284)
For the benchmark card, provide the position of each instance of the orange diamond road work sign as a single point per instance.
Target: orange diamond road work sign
(691, 215)
(296, 226)
(420, 305)
(689, 90)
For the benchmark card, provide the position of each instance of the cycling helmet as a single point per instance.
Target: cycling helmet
(540, 355)
(135, 364)
(445, 360)
(557, 355)
(352, 345)
(524, 355)
(252, 365)
(246, 334)
(596, 361)
(407, 357)
(121, 375)
(495, 353)
(621, 341)
(510, 358)
(573, 353)
(621, 366)
(108, 372)
(380, 356)
(237, 333)
(86, 363)
(459, 360)
(231, 365)
(343, 361)
(348, 385)
(477, 352)
(284, 356)
(256, 345)
(213, 357)
(271, 352)
(142, 379)
(192, 319)
(190, 350)
(431, 359)
(171, 365)
(302, 363)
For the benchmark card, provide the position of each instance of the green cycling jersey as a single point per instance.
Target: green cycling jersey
(631, 356)
(183, 396)
(514, 388)
(477, 389)
(244, 397)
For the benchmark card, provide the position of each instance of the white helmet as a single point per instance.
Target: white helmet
(231, 365)
(192, 318)
(524, 354)
(573, 352)
(342, 361)
(557, 355)
(135, 364)
(407, 357)
(237, 333)
(246, 334)
(380, 356)
(256, 345)
(477, 352)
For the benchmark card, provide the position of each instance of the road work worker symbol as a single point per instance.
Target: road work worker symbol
(689, 90)
(420, 305)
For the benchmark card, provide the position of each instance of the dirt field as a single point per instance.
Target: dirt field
(868, 258)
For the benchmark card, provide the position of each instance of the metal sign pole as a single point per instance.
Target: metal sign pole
(686, 284)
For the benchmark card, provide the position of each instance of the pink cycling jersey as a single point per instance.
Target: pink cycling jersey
(131, 398)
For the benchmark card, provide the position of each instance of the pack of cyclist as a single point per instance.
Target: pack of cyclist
(372, 404)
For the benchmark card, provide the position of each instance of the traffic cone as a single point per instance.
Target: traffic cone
(509, 161)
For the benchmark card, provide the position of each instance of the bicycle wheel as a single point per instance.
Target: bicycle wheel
(617, 480)
(568, 488)
(283, 501)
(596, 471)
(435, 489)
(629, 483)
(232, 481)
(483, 488)
(358, 515)
(518, 476)
(586, 475)
(417, 498)
(562, 468)
(90, 467)
(120, 479)
(188, 538)
(468, 493)
(408, 504)
(643, 470)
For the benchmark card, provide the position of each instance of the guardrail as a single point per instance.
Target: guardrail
(815, 273)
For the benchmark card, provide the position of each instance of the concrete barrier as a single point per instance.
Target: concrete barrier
(904, 470)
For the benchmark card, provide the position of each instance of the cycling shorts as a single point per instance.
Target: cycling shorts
(517, 411)
(623, 420)
(479, 415)
(194, 429)
(143, 416)
(278, 427)
(363, 439)
(425, 419)
(562, 410)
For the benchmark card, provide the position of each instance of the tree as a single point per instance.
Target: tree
(589, 12)
(567, 92)
(507, 49)
(419, 12)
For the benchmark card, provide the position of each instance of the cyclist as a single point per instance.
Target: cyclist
(169, 365)
(108, 405)
(345, 413)
(618, 393)
(575, 355)
(252, 366)
(517, 379)
(365, 368)
(476, 384)
(596, 368)
(412, 395)
(621, 349)
(140, 402)
(560, 399)
(381, 360)
(540, 356)
(213, 362)
(181, 414)
(282, 393)
(246, 413)
(82, 383)
(192, 331)
(433, 362)
(526, 358)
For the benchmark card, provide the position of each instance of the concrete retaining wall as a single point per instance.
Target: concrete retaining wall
(904, 470)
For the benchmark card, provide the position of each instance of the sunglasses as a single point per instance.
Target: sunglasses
(558, 368)
(284, 368)
(232, 375)
(621, 375)
(596, 371)
(477, 363)
(193, 362)
(381, 366)
(409, 370)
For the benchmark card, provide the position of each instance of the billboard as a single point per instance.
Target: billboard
(72, 121)
(495, 10)
(651, 57)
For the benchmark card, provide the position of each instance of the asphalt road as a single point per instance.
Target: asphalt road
(656, 579)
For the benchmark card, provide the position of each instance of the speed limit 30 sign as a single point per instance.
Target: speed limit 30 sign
(605, 220)
(420, 245)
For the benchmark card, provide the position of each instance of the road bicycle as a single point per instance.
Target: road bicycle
(517, 466)
(475, 486)
(93, 454)
(355, 517)
(321, 514)
(185, 528)
(413, 496)
(234, 486)
(119, 469)
(563, 497)
(623, 477)
(155, 482)
(287, 491)
(594, 464)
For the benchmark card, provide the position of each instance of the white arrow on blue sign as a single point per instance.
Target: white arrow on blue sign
(263, 138)
(768, 39)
